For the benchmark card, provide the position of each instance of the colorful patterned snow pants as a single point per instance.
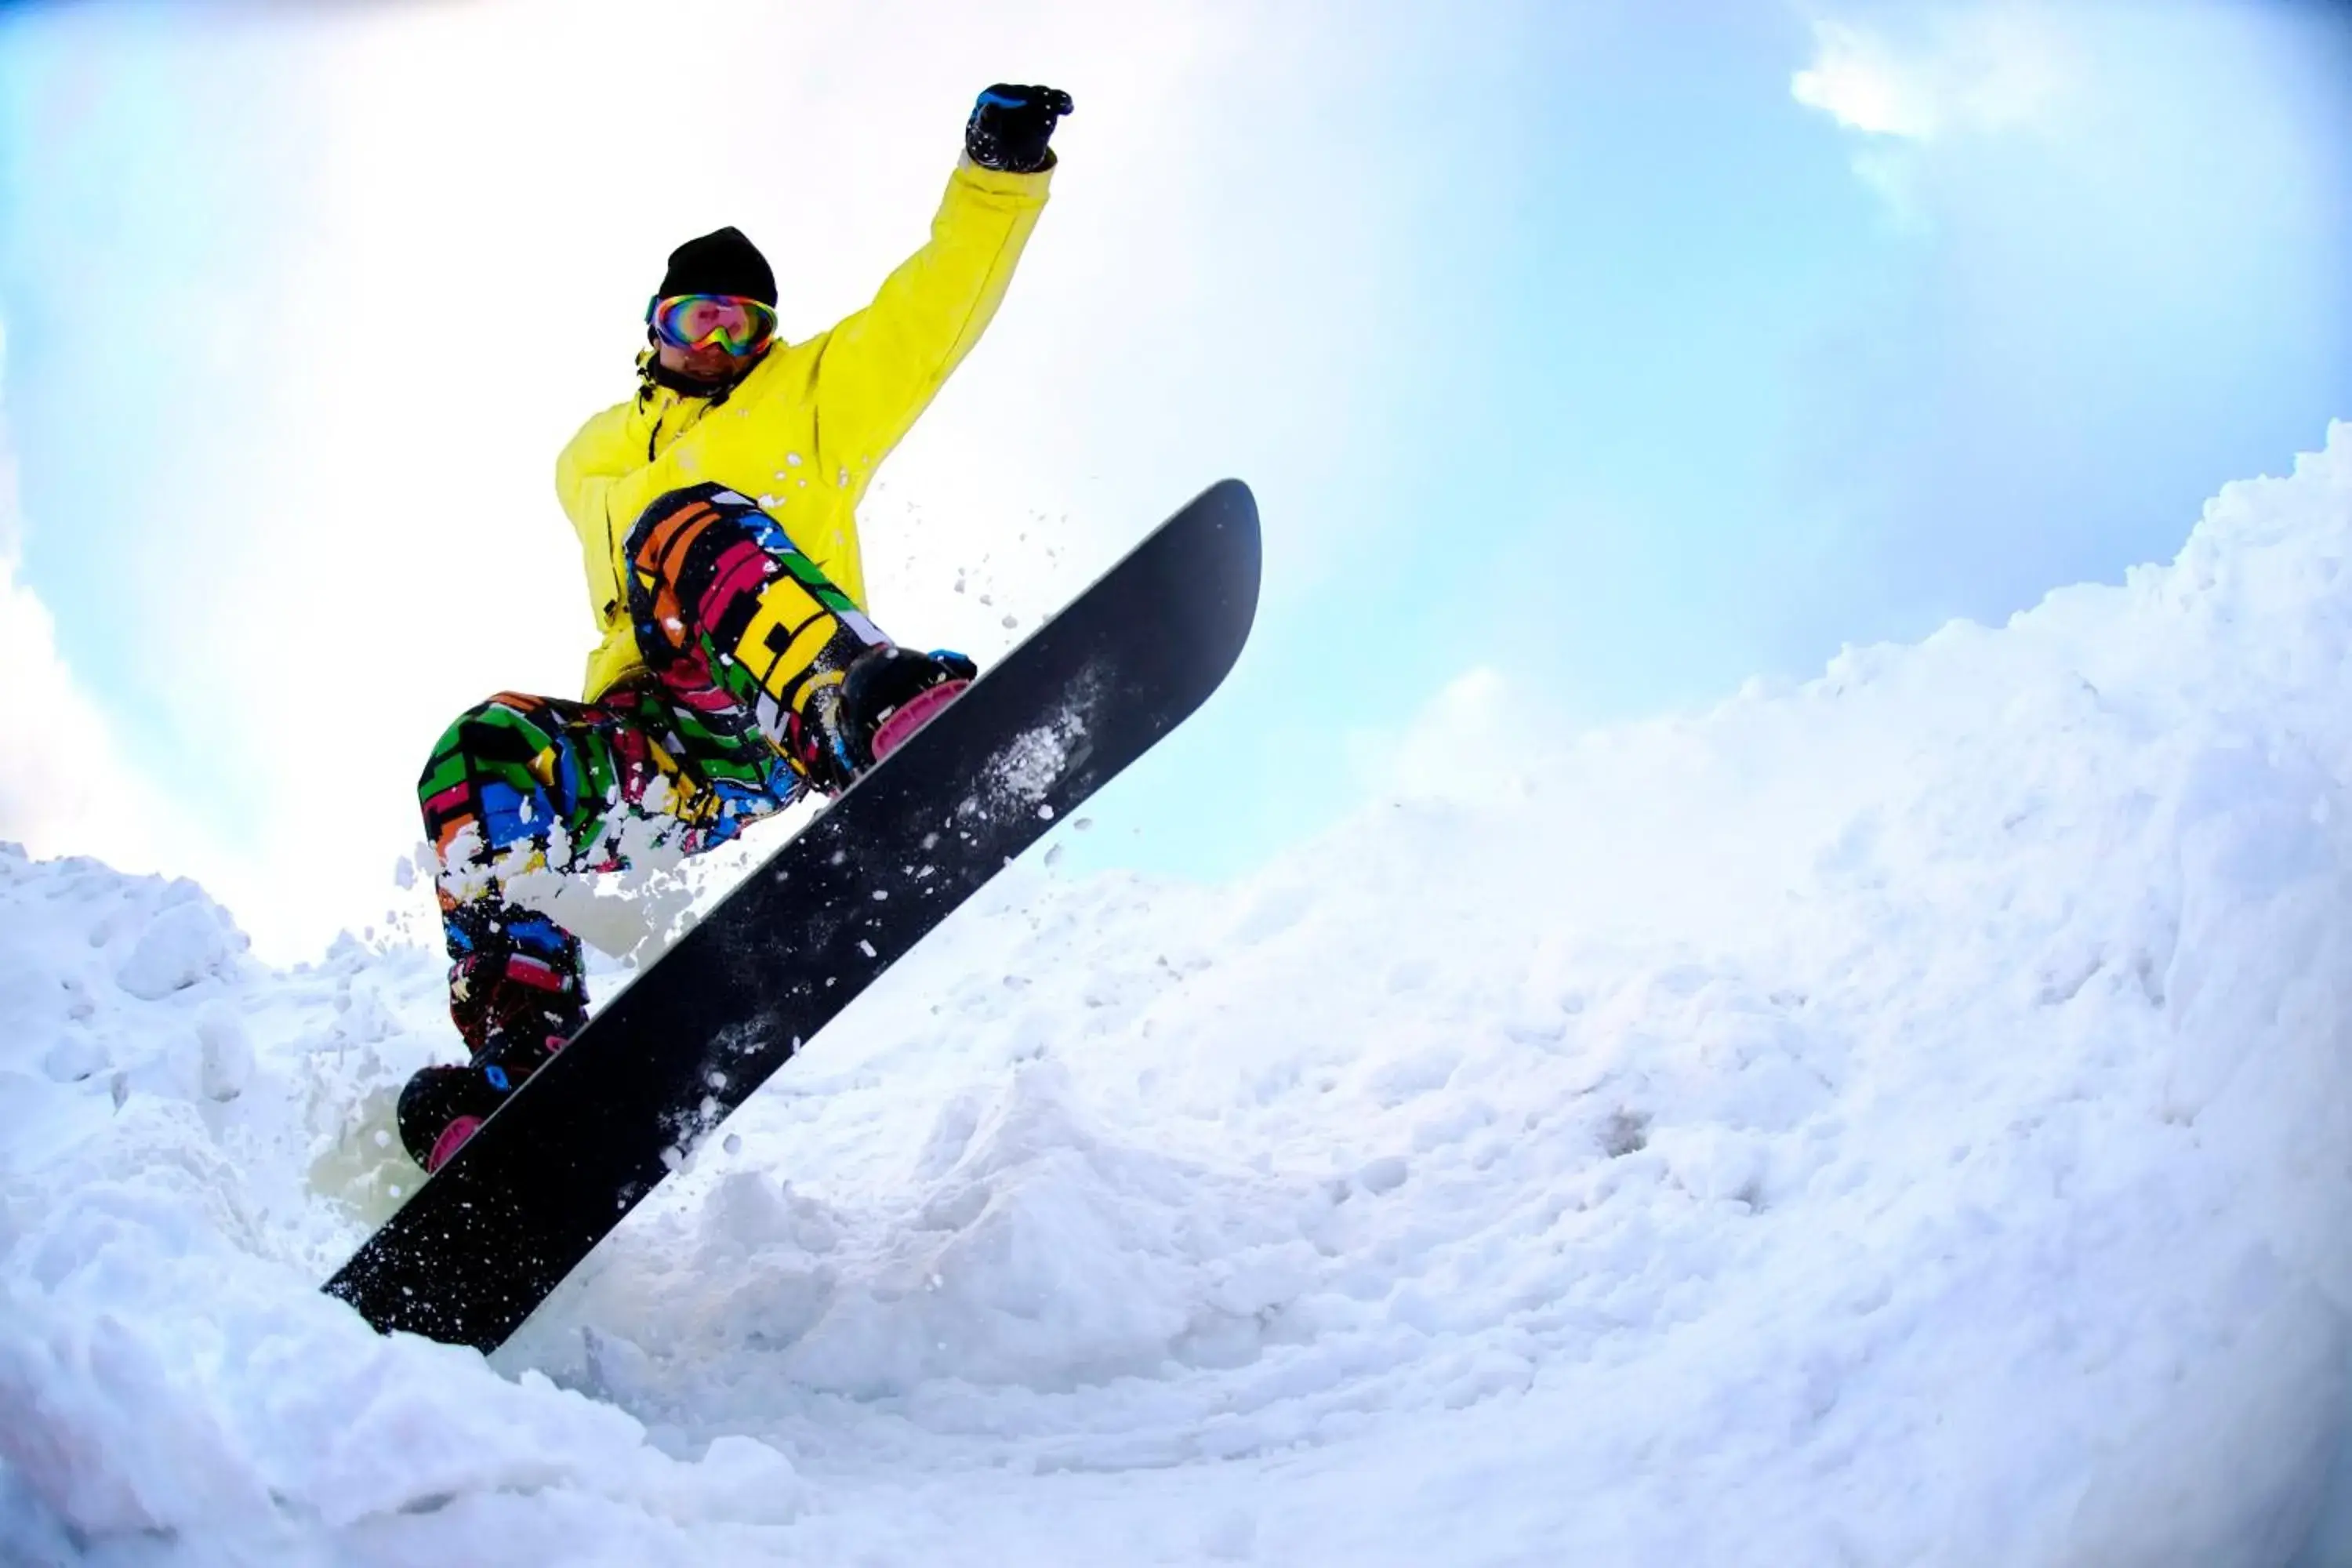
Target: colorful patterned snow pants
(737, 630)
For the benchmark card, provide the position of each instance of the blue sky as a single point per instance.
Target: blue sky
(1627, 350)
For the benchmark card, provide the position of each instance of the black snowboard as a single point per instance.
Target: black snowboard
(482, 1242)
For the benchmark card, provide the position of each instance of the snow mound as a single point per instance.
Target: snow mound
(1899, 1118)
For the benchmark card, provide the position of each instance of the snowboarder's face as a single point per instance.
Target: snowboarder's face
(708, 362)
(709, 337)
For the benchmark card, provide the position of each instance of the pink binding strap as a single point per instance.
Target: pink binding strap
(912, 715)
(453, 1138)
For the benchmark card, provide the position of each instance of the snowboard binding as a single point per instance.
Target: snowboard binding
(878, 703)
(441, 1107)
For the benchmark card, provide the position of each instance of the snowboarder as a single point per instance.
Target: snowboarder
(716, 510)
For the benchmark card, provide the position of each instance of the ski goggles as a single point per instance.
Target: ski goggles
(730, 322)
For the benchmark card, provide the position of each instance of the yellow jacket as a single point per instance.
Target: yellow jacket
(801, 433)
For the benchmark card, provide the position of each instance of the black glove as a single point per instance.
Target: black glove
(1010, 126)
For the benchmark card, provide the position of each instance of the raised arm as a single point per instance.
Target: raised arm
(882, 366)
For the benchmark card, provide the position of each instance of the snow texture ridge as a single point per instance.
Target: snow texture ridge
(1904, 1118)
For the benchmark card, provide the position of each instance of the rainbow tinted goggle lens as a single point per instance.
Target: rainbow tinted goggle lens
(729, 322)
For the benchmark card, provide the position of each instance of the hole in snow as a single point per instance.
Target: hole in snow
(1626, 1132)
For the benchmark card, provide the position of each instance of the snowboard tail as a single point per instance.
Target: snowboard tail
(594, 1131)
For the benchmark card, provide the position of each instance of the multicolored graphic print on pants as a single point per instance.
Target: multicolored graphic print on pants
(738, 631)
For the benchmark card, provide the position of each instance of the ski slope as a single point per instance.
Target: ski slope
(1901, 1119)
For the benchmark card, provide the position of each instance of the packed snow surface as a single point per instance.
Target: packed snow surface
(1901, 1118)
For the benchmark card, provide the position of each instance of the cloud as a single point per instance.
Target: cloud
(1858, 83)
(1923, 74)
(68, 783)
(65, 785)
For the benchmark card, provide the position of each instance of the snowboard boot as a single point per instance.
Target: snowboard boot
(441, 1107)
(878, 703)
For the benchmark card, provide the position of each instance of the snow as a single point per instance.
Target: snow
(1899, 1118)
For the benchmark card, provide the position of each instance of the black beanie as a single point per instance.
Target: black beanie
(719, 262)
